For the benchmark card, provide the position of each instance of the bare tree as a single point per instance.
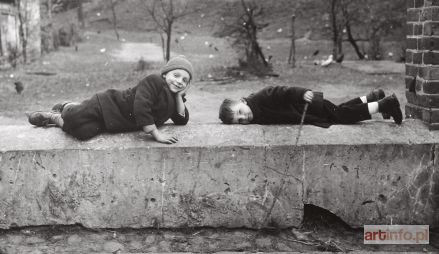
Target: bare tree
(81, 18)
(242, 23)
(164, 14)
(370, 19)
(348, 18)
(337, 28)
(22, 26)
(113, 4)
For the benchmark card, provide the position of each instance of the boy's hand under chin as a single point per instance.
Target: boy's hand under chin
(183, 92)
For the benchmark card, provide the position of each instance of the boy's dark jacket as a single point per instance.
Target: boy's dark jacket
(284, 105)
(150, 102)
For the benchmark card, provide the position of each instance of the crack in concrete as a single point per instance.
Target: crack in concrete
(303, 176)
(163, 183)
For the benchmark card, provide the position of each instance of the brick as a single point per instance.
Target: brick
(410, 83)
(418, 85)
(427, 115)
(412, 43)
(430, 28)
(435, 14)
(434, 26)
(424, 100)
(434, 43)
(433, 126)
(411, 70)
(419, 3)
(417, 57)
(431, 57)
(413, 111)
(426, 72)
(418, 29)
(409, 56)
(426, 14)
(429, 86)
(413, 15)
(427, 43)
(409, 29)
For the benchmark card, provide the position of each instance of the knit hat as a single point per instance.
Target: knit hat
(178, 62)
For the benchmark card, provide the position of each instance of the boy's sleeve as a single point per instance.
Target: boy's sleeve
(146, 92)
(179, 119)
(285, 94)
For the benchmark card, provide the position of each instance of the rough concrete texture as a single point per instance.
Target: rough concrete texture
(220, 176)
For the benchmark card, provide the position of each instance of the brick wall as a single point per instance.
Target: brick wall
(422, 61)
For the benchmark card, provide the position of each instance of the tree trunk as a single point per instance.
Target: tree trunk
(1, 47)
(168, 41)
(81, 15)
(113, 7)
(292, 55)
(335, 31)
(21, 29)
(353, 42)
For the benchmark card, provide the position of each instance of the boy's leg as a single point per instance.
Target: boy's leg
(374, 95)
(60, 106)
(78, 114)
(349, 113)
(87, 130)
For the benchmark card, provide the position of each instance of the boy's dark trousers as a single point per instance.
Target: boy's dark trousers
(350, 112)
(84, 120)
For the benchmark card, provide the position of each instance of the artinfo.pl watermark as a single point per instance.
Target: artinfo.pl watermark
(396, 234)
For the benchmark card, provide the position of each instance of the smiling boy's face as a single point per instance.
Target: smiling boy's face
(242, 114)
(177, 80)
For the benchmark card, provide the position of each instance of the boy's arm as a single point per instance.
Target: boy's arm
(181, 117)
(158, 136)
(146, 93)
(285, 94)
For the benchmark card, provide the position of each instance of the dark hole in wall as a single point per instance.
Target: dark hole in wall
(315, 217)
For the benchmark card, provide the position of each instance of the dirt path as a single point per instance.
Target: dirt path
(132, 52)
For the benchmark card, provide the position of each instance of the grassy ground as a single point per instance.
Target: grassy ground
(79, 74)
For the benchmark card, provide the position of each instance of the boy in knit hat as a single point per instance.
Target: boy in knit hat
(285, 105)
(146, 106)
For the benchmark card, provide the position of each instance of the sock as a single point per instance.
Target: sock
(363, 99)
(57, 119)
(372, 107)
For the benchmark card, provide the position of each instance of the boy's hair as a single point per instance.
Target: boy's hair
(225, 112)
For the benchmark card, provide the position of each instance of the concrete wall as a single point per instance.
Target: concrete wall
(220, 176)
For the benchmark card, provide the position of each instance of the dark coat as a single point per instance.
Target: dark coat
(284, 105)
(150, 102)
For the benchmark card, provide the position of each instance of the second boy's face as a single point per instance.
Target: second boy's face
(177, 80)
(242, 113)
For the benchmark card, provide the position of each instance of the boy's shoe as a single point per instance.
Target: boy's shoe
(376, 95)
(40, 118)
(390, 106)
(59, 106)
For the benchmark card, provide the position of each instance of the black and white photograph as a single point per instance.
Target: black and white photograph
(219, 126)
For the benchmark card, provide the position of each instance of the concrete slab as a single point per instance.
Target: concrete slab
(220, 176)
